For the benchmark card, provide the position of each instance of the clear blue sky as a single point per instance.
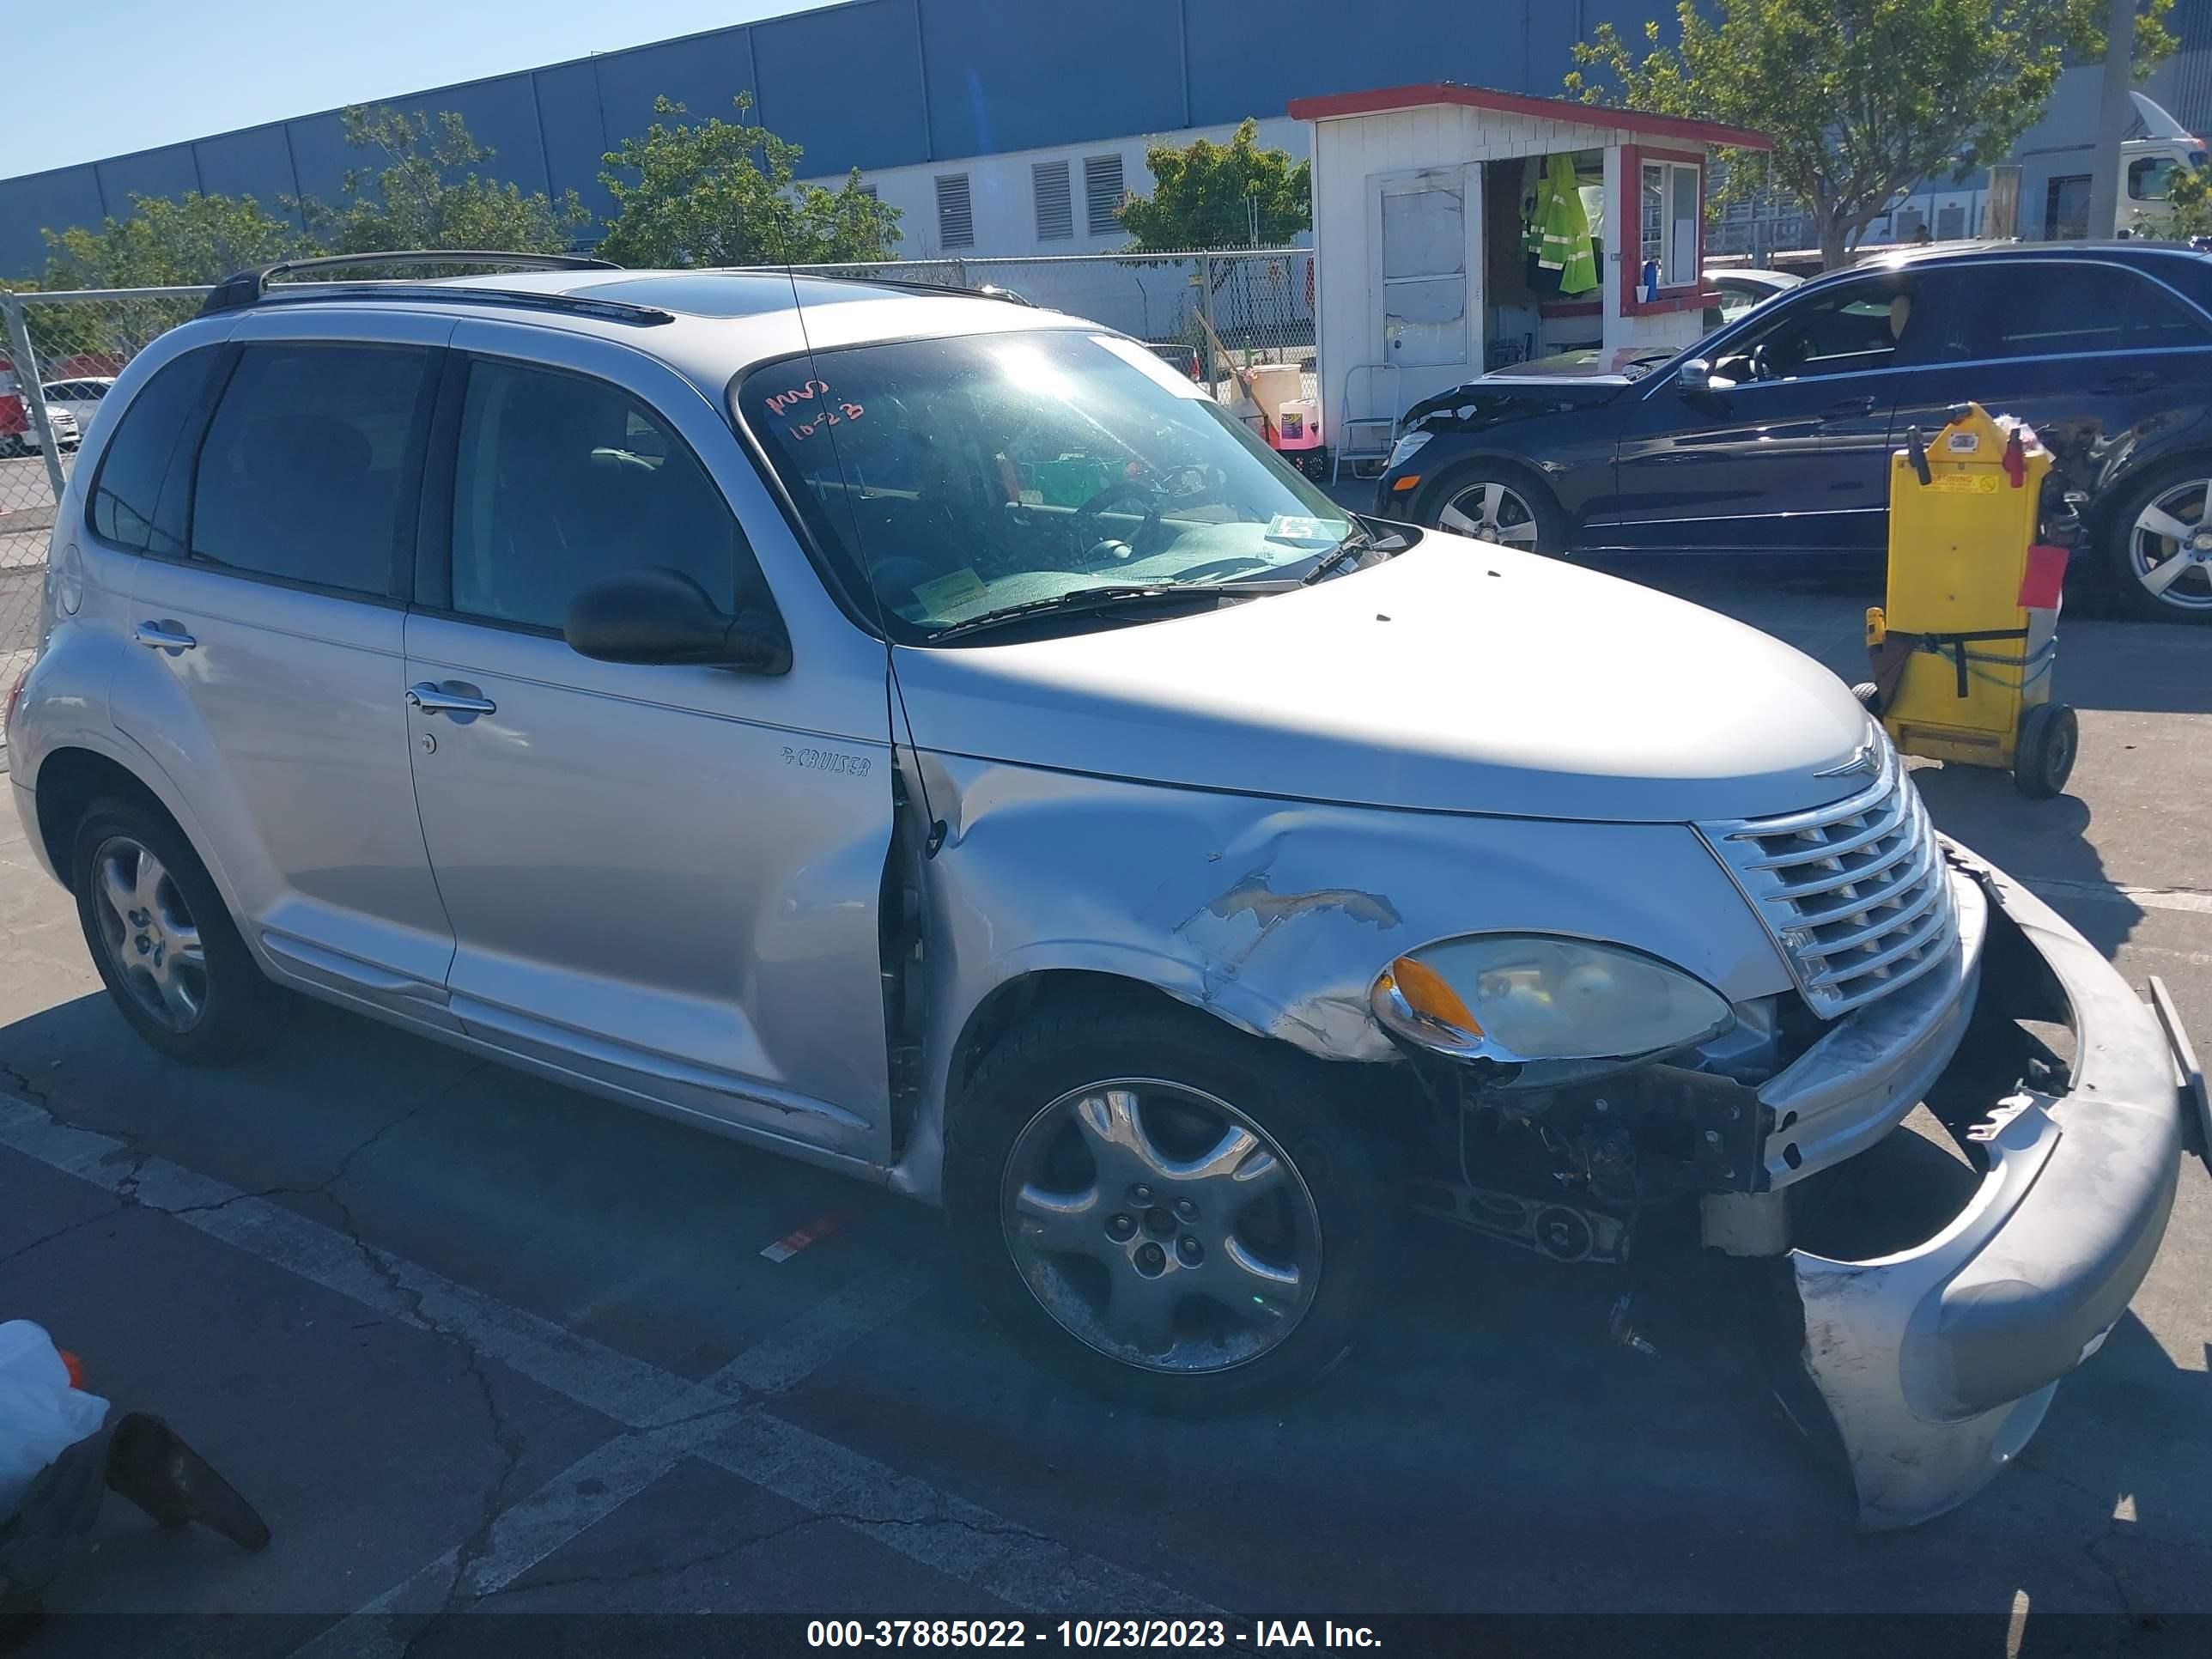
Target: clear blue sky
(125, 75)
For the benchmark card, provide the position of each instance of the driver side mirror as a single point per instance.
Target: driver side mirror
(1694, 376)
(665, 617)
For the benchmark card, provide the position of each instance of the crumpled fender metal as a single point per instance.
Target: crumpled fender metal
(1274, 915)
(1938, 1361)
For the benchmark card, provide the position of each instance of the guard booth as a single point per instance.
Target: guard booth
(1433, 206)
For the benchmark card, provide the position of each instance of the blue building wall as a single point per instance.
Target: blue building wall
(879, 83)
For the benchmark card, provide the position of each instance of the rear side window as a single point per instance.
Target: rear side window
(2064, 307)
(561, 481)
(303, 474)
(128, 508)
(2161, 319)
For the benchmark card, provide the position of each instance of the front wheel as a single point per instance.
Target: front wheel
(1497, 504)
(1163, 1208)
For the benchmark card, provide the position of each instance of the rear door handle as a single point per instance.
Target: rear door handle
(2141, 379)
(455, 697)
(1850, 406)
(168, 634)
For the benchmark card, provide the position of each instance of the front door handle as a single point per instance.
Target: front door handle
(1850, 406)
(2141, 379)
(455, 697)
(168, 634)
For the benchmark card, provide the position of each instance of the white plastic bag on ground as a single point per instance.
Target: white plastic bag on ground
(41, 1414)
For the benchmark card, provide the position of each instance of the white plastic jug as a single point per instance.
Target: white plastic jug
(40, 1413)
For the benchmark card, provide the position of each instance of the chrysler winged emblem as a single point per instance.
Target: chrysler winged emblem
(1864, 758)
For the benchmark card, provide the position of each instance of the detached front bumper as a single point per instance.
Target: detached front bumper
(1938, 1361)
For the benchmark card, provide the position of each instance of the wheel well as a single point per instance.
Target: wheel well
(1504, 468)
(1016, 1001)
(69, 781)
(2108, 500)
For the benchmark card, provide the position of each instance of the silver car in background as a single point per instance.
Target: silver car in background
(926, 736)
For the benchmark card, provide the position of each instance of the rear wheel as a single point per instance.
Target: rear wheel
(162, 940)
(1495, 503)
(2159, 545)
(1164, 1209)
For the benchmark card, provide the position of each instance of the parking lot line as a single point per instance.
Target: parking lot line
(719, 1419)
(2114, 892)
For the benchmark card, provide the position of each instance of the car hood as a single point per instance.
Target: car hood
(1458, 676)
(1551, 383)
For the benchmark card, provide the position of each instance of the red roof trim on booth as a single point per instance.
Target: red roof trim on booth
(1383, 99)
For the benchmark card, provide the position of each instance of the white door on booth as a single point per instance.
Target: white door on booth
(1423, 227)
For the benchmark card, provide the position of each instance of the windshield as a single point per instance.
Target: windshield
(951, 477)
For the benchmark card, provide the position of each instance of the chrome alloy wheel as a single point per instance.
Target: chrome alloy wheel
(151, 938)
(1491, 512)
(1161, 1226)
(2170, 546)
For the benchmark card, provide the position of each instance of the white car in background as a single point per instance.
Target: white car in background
(80, 397)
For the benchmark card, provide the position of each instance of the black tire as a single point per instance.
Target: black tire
(1542, 508)
(1033, 1071)
(2043, 757)
(2189, 597)
(236, 1004)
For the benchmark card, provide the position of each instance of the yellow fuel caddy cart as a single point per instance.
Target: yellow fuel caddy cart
(1964, 649)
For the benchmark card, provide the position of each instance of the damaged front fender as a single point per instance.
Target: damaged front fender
(1275, 916)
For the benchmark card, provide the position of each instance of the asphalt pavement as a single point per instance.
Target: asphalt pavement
(473, 1342)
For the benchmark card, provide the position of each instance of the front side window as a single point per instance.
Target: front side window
(561, 481)
(129, 508)
(1847, 329)
(303, 474)
(2151, 178)
(946, 478)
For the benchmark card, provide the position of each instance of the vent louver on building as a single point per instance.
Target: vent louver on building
(956, 219)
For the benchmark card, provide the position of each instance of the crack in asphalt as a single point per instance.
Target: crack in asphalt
(512, 1444)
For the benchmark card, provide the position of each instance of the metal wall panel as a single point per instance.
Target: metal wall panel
(1022, 76)
(869, 113)
(575, 136)
(166, 172)
(703, 72)
(253, 161)
(66, 197)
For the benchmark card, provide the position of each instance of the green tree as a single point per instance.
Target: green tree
(163, 244)
(1205, 194)
(420, 192)
(1862, 97)
(2192, 206)
(718, 193)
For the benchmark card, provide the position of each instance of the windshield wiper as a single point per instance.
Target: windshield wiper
(1086, 599)
(1357, 542)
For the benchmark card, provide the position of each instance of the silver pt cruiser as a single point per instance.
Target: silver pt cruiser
(926, 736)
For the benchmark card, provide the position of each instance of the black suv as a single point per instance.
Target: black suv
(1773, 432)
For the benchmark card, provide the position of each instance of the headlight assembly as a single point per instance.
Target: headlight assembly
(1558, 1009)
(1402, 451)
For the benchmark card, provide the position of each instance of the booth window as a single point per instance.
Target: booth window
(1668, 233)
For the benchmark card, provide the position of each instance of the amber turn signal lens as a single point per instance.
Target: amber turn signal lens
(1410, 481)
(1428, 995)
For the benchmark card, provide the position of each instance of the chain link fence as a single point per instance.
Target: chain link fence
(1229, 309)
(58, 353)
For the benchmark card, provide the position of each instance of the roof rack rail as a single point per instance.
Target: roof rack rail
(245, 288)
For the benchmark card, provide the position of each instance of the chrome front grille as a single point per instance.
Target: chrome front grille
(1855, 892)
